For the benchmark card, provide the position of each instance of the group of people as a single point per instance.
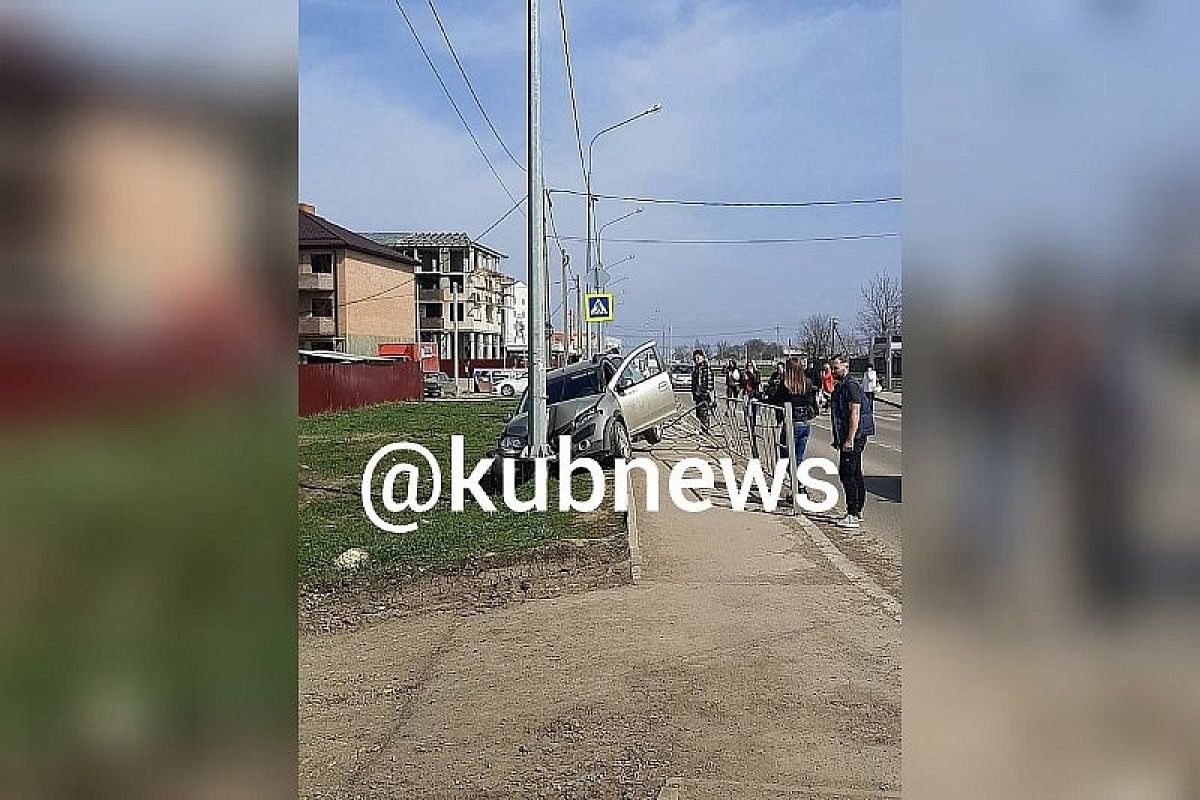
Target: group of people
(850, 408)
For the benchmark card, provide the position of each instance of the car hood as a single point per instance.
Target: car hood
(561, 415)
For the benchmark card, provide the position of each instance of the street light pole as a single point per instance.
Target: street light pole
(590, 203)
(600, 264)
(537, 446)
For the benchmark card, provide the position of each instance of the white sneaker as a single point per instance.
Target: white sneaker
(849, 521)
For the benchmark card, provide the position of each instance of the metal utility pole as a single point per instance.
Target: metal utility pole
(566, 260)
(887, 343)
(579, 328)
(537, 446)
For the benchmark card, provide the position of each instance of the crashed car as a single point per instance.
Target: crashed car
(603, 404)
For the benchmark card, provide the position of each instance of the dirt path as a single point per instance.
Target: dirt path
(742, 664)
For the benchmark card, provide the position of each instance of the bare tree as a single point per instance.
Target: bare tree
(816, 334)
(883, 306)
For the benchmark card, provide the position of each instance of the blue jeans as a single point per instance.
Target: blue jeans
(800, 432)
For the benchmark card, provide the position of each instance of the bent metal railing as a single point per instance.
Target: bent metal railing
(740, 429)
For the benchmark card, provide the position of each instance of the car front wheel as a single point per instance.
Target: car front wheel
(621, 446)
(507, 390)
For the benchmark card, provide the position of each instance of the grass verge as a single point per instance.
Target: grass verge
(334, 448)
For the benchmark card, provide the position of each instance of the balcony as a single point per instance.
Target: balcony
(318, 326)
(316, 281)
(432, 323)
(433, 295)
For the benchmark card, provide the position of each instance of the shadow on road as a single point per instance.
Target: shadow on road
(885, 487)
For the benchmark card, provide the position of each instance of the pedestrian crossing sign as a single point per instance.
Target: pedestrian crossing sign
(598, 307)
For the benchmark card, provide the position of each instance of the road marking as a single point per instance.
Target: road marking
(873, 442)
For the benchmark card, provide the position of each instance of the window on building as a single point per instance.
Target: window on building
(457, 260)
(322, 263)
(322, 307)
(428, 258)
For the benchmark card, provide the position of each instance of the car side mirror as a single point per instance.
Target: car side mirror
(623, 385)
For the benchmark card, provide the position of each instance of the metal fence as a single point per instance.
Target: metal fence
(337, 387)
(740, 429)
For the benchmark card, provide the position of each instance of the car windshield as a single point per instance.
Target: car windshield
(567, 387)
(682, 369)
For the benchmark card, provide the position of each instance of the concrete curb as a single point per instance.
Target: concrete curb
(634, 537)
(887, 402)
(854, 573)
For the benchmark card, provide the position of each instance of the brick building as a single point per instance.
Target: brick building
(450, 262)
(355, 294)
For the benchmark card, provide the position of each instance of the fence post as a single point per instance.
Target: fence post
(790, 434)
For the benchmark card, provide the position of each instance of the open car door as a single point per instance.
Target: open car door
(643, 389)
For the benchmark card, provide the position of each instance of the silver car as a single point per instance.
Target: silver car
(603, 405)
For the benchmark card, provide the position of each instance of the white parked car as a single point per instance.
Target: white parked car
(511, 387)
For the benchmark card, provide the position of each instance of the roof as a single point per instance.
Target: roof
(430, 239)
(317, 231)
(345, 358)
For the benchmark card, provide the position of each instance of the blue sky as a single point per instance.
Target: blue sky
(764, 100)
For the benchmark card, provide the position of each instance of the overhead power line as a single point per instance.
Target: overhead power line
(733, 204)
(378, 295)
(503, 217)
(562, 18)
(696, 333)
(847, 238)
(462, 70)
(450, 97)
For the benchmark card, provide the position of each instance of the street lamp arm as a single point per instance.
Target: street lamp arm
(618, 219)
(652, 109)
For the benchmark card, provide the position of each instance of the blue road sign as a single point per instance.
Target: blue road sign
(598, 307)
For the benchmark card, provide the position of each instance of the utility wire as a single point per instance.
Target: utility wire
(561, 252)
(450, 97)
(693, 334)
(733, 204)
(471, 87)
(503, 217)
(377, 294)
(562, 18)
(851, 237)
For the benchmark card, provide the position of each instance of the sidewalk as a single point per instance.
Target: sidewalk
(742, 664)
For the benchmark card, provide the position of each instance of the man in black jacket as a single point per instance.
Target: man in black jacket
(702, 388)
(852, 419)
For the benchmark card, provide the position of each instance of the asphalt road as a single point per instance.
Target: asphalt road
(882, 467)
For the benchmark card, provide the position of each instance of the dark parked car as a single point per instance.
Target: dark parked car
(681, 377)
(438, 384)
(603, 405)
